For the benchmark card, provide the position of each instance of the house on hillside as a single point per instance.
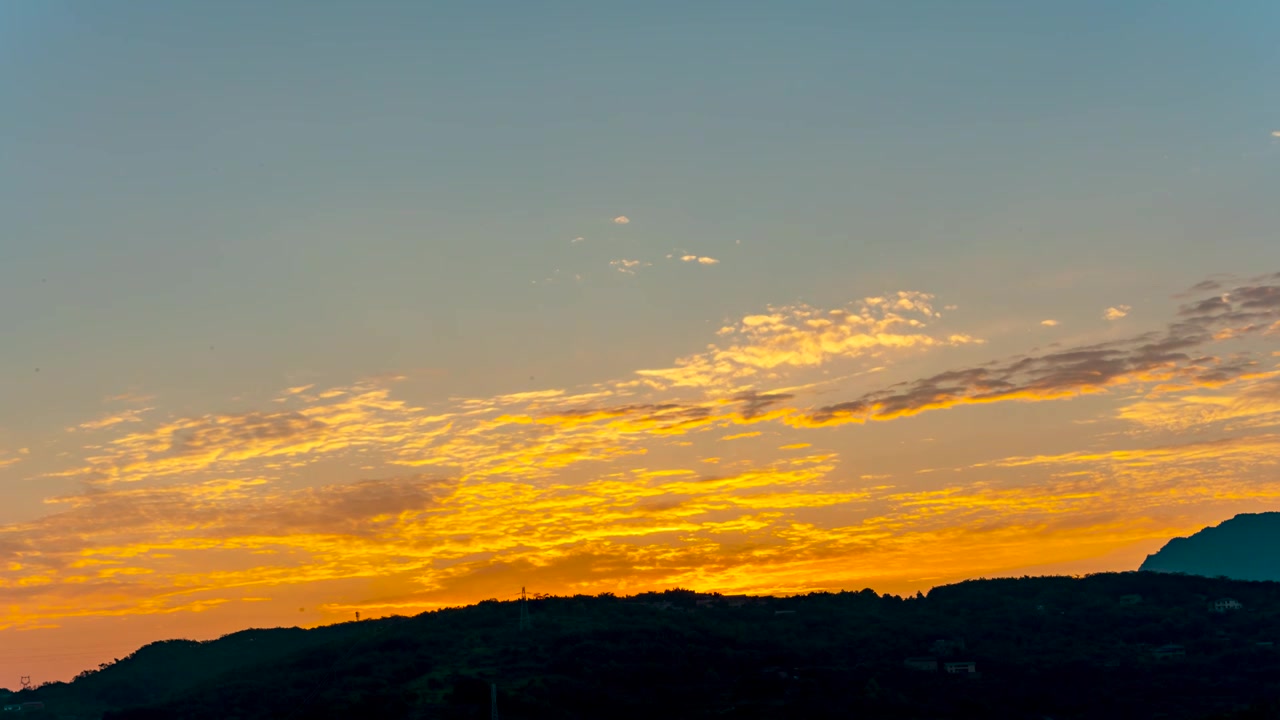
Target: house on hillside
(1169, 652)
(946, 647)
(927, 664)
(1224, 605)
(961, 667)
(714, 599)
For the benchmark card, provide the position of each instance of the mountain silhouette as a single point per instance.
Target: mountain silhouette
(1246, 547)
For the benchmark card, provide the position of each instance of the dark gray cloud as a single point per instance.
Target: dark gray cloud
(107, 516)
(1204, 286)
(230, 432)
(1174, 352)
(662, 415)
(755, 404)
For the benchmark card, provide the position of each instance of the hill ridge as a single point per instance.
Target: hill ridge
(1034, 642)
(1244, 547)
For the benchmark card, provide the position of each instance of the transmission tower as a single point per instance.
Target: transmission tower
(524, 611)
(26, 682)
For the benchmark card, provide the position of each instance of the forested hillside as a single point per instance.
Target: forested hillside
(1059, 647)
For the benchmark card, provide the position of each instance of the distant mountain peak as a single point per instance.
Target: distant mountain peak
(1246, 547)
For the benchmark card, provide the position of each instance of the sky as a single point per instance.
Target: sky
(317, 308)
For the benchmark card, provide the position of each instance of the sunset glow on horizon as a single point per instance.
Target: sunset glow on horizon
(279, 350)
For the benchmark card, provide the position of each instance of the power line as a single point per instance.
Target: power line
(525, 624)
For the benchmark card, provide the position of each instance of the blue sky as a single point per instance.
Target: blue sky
(215, 172)
(203, 204)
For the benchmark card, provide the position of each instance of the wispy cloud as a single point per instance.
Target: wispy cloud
(1251, 400)
(609, 486)
(165, 503)
(622, 220)
(355, 419)
(130, 397)
(759, 346)
(11, 458)
(106, 421)
(627, 266)
(1148, 358)
(148, 550)
(1116, 312)
(701, 260)
(436, 541)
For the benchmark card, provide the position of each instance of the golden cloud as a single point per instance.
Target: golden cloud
(701, 260)
(598, 488)
(1252, 400)
(628, 267)
(106, 421)
(1146, 359)
(148, 548)
(801, 336)
(139, 550)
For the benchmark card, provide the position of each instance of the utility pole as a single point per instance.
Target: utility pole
(493, 701)
(524, 611)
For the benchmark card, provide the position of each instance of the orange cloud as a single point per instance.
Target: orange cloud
(605, 487)
(138, 550)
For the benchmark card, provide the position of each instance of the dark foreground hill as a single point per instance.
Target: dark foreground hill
(1246, 547)
(1057, 647)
